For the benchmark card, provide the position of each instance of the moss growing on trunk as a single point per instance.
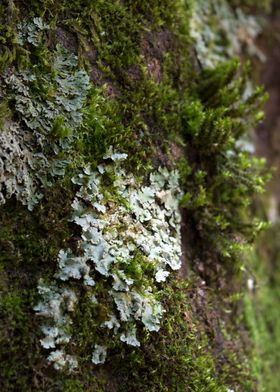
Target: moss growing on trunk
(77, 78)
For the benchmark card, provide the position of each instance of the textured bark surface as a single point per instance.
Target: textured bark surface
(144, 92)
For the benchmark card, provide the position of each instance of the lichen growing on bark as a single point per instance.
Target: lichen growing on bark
(130, 239)
(48, 106)
(79, 77)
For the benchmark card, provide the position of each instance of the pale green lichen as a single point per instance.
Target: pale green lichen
(71, 266)
(62, 360)
(130, 338)
(47, 105)
(57, 304)
(31, 32)
(99, 354)
(68, 86)
(17, 163)
(125, 232)
(220, 32)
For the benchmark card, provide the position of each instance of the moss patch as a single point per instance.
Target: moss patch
(150, 99)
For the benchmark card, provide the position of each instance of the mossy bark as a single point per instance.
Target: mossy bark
(129, 69)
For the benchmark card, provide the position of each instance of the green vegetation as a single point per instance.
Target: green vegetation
(148, 97)
(261, 309)
(225, 176)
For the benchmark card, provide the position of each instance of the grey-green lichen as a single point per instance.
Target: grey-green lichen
(31, 32)
(130, 237)
(17, 162)
(64, 86)
(141, 105)
(221, 32)
(57, 304)
(48, 109)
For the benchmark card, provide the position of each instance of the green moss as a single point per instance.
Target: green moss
(261, 313)
(8, 18)
(148, 96)
(29, 245)
(179, 357)
(224, 175)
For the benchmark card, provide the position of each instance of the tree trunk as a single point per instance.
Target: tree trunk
(126, 177)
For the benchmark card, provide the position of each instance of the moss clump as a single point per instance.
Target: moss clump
(29, 243)
(224, 174)
(8, 18)
(149, 99)
(261, 309)
(181, 355)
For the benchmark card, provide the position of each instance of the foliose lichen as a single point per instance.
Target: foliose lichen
(130, 238)
(16, 164)
(57, 304)
(31, 32)
(221, 32)
(48, 107)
